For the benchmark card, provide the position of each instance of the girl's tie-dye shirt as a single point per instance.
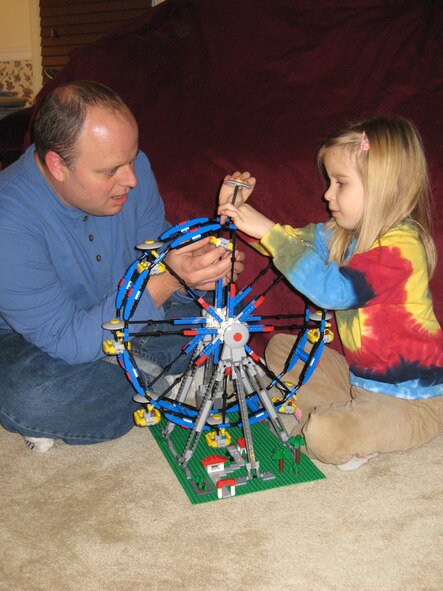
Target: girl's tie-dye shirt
(392, 340)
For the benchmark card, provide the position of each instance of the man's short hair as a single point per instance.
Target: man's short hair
(62, 115)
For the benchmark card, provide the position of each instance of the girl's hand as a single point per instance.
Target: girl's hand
(227, 191)
(247, 219)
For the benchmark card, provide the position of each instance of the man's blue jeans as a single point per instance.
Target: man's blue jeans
(86, 403)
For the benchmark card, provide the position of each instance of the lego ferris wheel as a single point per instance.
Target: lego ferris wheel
(234, 389)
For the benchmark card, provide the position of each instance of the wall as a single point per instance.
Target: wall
(20, 47)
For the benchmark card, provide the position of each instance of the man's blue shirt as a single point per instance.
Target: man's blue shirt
(60, 267)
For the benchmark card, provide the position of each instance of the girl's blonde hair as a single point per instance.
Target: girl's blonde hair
(390, 160)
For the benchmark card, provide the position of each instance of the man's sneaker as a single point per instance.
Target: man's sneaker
(39, 444)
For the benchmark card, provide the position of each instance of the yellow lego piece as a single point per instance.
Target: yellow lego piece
(216, 241)
(214, 439)
(112, 347)
(314, 335)
(146, 417)
(142, 266)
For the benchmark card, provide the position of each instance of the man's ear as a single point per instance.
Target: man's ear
(56, 165)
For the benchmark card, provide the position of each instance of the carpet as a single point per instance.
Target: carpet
(113, 517)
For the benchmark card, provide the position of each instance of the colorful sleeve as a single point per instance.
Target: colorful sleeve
(377, 274)
(305, 234)
(304, 263)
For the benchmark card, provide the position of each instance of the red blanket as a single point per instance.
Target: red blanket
(256, 85)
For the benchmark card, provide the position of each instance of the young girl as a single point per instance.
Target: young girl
(371, 263)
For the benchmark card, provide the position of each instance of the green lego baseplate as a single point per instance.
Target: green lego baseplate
(201, 487)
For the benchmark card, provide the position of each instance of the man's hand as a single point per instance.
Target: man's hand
(200, 264)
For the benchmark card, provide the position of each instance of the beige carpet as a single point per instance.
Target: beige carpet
(113, 517)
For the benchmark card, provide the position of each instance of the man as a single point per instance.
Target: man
(71, 210)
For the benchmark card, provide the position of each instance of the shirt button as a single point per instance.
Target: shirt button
(85, 219)
(98, 258)
(91, 237)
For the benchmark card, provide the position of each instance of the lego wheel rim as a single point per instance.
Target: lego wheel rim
(218, 338)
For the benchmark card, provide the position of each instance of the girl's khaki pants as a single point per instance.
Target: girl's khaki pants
(340, 421)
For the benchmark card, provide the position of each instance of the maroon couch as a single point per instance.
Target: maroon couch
(255, 85)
